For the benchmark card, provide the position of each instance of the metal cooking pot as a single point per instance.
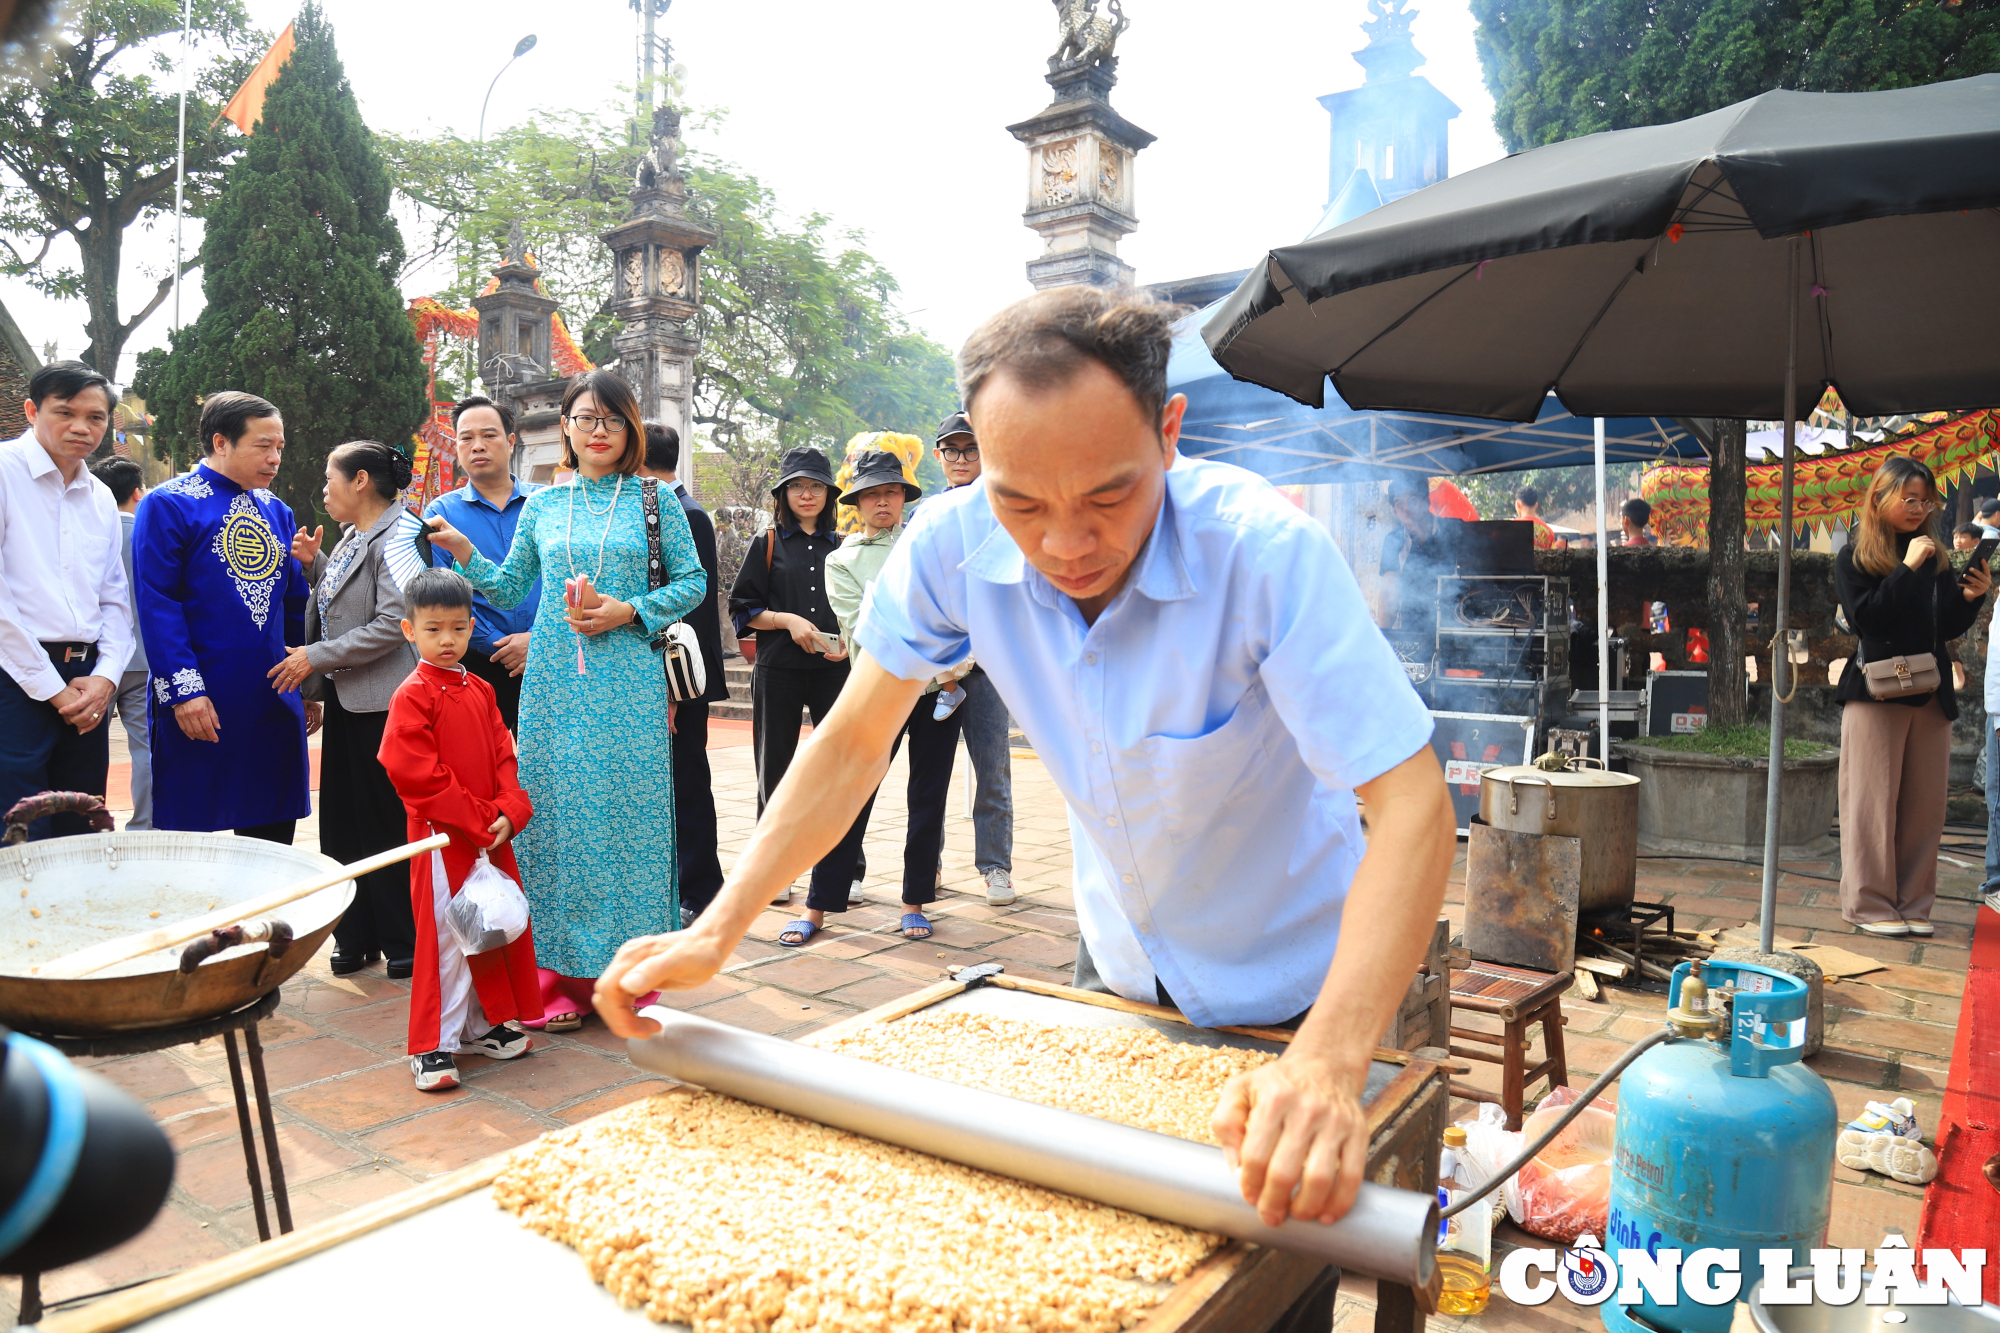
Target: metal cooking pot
(1599, 807)
(62, 894)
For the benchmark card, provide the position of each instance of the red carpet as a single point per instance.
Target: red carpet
(1961, 1209)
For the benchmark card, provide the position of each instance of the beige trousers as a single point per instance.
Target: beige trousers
(1895, 765)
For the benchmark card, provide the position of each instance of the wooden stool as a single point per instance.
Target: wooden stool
(1520, 998)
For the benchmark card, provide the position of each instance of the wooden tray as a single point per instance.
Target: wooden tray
(415, 1253)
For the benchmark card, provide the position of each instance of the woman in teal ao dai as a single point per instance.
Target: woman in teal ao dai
(598, 860)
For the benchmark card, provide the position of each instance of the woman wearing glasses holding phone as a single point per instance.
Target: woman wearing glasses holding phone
(1904, 603)
(598, 861)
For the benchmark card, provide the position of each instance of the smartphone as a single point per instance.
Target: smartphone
(1982, 554)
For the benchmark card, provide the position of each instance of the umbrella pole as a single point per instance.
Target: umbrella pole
(1781, 662)
(1603, 613)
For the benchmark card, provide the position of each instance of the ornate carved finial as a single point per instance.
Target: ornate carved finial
(1087, 40)
(1389, 54)
(517, 244)
(659, 169)
(1391, 20)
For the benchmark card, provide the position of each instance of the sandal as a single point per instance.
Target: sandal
(802, 928)
(915, 927)
(564, 1023)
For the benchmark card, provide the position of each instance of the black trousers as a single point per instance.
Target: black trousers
(933, 746)
(360, 814)
(280, 831)
(695, 835)
(506, 688)
(40, 752)
(776, 696)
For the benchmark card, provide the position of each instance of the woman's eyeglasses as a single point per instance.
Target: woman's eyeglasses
(612, 425)
(1920, 504)
(805, 488)
(951, 453)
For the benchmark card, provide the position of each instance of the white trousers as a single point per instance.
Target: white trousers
(459, 1016)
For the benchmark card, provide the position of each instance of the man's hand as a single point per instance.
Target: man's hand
(291, 671)
(84, 701)
(197, 719)
(315, 716)
(305, 546)
(511, 653)
(1296, 1133)
(679, 961)
(501, 829)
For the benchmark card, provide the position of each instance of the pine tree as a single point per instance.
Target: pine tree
(299, 264)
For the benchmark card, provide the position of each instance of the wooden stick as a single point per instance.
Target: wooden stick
(1586, 982)
(1604, 967)
(885, 1013)
(112, 952)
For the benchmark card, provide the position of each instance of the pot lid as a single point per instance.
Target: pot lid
(1573, 778)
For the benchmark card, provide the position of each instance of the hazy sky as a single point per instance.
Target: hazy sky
(889, 117)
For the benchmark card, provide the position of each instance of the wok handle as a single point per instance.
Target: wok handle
(1514, 797)
(276, 933)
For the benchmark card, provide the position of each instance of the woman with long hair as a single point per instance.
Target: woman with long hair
(353, 659)
(1901, 598)
(598, 861)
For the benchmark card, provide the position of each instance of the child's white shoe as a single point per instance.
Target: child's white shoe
(434, 1072)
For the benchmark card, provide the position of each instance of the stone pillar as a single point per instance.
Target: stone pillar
(656, 284)
(514, 324)
(1080, 160)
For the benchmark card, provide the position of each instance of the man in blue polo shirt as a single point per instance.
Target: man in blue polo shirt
(487, 509)
(1192, 660)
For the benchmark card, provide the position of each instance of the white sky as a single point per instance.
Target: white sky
(889, 117)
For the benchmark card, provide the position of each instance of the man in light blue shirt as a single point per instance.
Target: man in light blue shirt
(1192, 659)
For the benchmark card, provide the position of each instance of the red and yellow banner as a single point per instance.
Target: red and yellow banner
(1826, 490)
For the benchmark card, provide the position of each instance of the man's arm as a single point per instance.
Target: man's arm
(825, 788)
(1297, 1123)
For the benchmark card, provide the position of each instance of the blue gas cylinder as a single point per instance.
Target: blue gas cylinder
(1723, 1143)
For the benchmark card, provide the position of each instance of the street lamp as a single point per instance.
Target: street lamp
(521, 48)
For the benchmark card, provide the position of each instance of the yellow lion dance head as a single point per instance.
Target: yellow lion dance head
(908, 449)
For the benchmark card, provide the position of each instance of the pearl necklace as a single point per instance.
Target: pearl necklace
(569, 541)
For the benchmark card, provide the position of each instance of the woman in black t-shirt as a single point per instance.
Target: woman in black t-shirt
(780, 593)
(1901, 598)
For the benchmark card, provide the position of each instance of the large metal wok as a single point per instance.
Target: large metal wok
(63, 894)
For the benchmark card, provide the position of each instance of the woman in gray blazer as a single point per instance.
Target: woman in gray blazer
(353, 659)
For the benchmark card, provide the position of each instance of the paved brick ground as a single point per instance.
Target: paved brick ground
(353, 1128)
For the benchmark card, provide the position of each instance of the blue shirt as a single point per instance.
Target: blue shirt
(491, 532)
(1206, 733)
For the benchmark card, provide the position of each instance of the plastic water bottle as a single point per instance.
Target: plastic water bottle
(1465, 1242)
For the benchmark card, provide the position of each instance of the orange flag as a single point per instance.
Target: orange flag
(247, 106)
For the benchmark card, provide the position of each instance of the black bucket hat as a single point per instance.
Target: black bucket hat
(878, 467)
(803, 462)
(955, 424)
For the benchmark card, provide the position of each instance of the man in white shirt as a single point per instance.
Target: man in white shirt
(65, 611)
(1192, 660)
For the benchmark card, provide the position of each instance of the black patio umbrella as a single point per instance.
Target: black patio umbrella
(1704, 268)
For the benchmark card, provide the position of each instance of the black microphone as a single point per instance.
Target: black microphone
(82, 1166)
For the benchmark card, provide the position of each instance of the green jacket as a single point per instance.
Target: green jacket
(850, 569)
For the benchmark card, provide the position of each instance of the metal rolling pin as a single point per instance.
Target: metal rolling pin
(1389, 1234)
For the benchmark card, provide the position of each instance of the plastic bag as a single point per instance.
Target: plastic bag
(489, 912)
(1566, 1188)
(1490, 1145)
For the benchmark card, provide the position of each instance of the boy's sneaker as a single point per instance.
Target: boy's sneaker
(434, 1072)
(502, 1043)
(999, 887)
(1886, 1138)
(948, 700)
(1992, 899)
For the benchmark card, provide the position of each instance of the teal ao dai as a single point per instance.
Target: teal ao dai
(598, 858)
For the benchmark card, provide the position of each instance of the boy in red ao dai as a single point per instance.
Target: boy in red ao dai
(453, 763)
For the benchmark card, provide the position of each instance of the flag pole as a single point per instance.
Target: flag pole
(180, 159)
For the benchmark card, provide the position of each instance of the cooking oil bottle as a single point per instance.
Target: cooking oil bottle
(1465, 1242)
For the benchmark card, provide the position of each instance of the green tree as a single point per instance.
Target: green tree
(88, 148)
(801, 339)
(1562, 68)
(299, 265)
